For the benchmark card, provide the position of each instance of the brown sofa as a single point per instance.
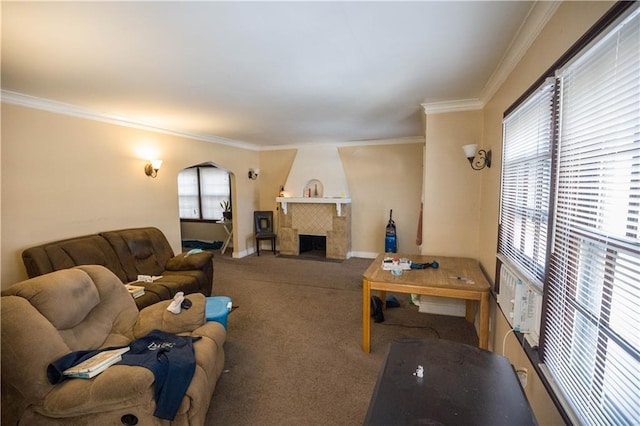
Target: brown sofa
(87, 308)
(128, 253)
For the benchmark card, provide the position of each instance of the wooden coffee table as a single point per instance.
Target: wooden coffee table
(456, 277)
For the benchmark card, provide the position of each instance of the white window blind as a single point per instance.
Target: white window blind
(200, 192)
(188, 194)
(592, 325)
(214, 188)
(526, 182)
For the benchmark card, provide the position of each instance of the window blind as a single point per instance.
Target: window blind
(214, 188)
(526, 181)
(188, 194)
(200, 191)
(591, 341)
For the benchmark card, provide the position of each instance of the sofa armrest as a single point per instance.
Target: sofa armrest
(157, 317)
(119, 387)
(23, 329)
(184, 262)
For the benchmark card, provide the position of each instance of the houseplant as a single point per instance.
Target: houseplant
(226, 209)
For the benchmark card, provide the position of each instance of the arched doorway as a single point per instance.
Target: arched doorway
(205, 203)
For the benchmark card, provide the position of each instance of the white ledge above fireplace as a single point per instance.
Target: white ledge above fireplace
(313, 200)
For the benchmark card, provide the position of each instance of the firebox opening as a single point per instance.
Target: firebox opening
(313, 245)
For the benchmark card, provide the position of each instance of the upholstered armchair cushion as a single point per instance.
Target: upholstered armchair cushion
(87, 308)
(140, 250)
(60, 298)
(158, 317)
(188, 262)
(74, 286)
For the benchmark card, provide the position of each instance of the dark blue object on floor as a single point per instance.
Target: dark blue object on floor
(392, 302)
(201, 244)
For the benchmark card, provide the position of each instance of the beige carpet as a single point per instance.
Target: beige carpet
(293, 354)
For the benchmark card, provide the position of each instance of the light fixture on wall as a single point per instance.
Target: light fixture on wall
(479, 161)
(152, 167)
(253, 174)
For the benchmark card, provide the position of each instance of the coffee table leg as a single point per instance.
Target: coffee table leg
(470, 311)
(366, 315)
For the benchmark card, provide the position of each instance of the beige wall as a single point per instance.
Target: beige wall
(383, 178)
(274, 169)
(65, 176)
(451, 186)
(568, 24)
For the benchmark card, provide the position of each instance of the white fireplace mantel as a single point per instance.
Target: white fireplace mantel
(313, 200)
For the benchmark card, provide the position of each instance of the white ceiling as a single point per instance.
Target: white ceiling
(259, 74)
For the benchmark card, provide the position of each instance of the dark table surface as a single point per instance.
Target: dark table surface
(461, 385)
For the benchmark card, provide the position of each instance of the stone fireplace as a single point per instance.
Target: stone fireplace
(315, 217)
(315, 202)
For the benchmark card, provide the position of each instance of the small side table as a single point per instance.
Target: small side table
(228, 227)
(461, 385)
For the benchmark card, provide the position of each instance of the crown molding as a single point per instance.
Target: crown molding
(363, 142)
(20, 99)
(452, 106)
(388, 141)
(538, 16)
(28, 101)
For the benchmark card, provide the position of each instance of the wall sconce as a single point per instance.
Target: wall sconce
(152, 167)
(253, 174)
(483, 158)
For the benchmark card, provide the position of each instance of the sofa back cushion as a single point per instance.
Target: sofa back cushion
(64, 299)
(86, 250)
(88, 306)
(140, 250)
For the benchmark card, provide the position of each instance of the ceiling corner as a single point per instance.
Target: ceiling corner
(537, 18)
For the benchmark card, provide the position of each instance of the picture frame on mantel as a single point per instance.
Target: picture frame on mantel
(313, 189)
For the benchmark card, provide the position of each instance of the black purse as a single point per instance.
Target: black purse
(376, 309)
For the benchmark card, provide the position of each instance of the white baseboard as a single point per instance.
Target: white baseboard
(364, 254)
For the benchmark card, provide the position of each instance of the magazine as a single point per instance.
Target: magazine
(135, 290)
(96, 364)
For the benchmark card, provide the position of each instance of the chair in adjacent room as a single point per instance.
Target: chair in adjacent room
(263, 222)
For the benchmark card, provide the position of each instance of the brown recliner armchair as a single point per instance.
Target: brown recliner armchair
(86, 308)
